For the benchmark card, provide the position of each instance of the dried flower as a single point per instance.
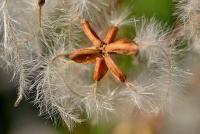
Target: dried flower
(51, 57)
(100, 54)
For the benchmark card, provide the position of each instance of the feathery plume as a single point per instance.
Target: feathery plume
(85, 8)
(188, 12)
(42, 55)
(152, 40)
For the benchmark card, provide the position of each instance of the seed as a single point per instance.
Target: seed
(41, 3)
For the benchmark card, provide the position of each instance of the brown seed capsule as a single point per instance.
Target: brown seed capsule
(114, 69)
(111, 34)
(90, 33)
(122, 46)
(100, 69)
(84, 55)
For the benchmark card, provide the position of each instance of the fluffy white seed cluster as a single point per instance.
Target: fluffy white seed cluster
(188, 13)
(17, 51)
(85, 8)
(37, 57)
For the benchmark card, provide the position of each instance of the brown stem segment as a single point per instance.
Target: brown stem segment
(89, 32)
(114, 69)
(40, 4)
(111, 34)
(40, 16)
(100, 69)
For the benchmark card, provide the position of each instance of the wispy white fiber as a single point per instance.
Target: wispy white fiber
(152, 40)
(37, 56)
(188, 12)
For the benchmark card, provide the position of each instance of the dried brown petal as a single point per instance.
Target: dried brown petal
(122, 46)
(84, 55)
(114, 69)
(110, 36)
(100, 69)
(90, 33)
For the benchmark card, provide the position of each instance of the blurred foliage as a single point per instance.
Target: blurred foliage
(161, 9)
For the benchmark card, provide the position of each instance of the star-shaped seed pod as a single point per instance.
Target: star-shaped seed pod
(99, 54)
